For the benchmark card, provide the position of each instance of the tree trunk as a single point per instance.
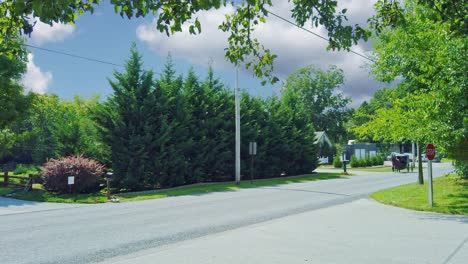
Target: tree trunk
(420, 169)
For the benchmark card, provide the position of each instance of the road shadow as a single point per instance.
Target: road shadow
(11, 202)
(300, 190)
(443, 217)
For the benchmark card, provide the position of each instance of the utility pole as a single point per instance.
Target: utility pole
(237, 102)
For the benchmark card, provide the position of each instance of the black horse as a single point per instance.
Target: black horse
(400, 162)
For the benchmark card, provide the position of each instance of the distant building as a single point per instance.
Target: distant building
(325, 147)
(361, 150)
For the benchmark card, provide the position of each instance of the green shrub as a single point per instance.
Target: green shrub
(354, 162)
(375, 161)
(87, 174)
(461, 167)
(362, 163)
(26, 168)
(337, 163)
(368, 162)
(380, 160)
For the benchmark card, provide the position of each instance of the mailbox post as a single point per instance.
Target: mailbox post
(108, 176)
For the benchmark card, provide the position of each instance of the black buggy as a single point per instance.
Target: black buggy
(400, 162)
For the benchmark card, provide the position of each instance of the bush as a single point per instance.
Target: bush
(25, 168)
(359, 163)
(363, 162)
(461, 167)
(380, 160)
(354, 162)
(87, 174)
(337, 163)
(368, 162)
(375, 161)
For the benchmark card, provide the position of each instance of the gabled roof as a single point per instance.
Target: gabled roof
(321, 138)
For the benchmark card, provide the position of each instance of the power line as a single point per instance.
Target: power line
(73, 55)
(315, 34)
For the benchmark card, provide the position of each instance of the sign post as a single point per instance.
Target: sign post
(430, 154)
(71, 181)
(252, 152)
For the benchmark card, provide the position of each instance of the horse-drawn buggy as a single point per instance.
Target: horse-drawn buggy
(400, 162)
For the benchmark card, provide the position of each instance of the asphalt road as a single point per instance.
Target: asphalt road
(362, 232)
(51, 233)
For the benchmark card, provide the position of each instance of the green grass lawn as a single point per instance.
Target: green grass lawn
(448, 160)
(5, 190)
(219, 187)
(42, 196)
(373, 169)
(450, 196)
(370, 169)
(381, 169)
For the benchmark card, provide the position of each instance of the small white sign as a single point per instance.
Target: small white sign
(71, 180)
(253, 148)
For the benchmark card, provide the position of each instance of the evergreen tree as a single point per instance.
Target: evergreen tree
(130, 124)
(174, 141)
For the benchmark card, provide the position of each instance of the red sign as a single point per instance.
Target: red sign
(430, 152)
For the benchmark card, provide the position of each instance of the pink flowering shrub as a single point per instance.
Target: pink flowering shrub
(87, 174)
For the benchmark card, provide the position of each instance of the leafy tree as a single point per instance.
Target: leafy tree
(426, 49)
(52, 128)
(76, 132)
(173, 15)
(317, 95)
(7, 142)
(13, 103)
(298, 133)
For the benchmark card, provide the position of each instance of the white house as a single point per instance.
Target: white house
(325, 147)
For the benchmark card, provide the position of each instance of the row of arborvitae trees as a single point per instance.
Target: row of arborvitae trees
(163, 132)
(174, 130)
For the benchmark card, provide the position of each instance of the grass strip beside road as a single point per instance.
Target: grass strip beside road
(369, 169)
(5, 190)
(220, 187)
(373, 169)
(450, 196)
(42, 196)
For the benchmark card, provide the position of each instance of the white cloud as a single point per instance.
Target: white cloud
(295, 48)
(35, 80)
(197, 49)
(43, 33)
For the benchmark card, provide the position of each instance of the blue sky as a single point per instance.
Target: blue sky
(106, 36)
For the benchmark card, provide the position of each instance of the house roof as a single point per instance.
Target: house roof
(321, 138)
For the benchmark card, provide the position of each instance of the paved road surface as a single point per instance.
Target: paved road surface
(361, 231)
(44, 233)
